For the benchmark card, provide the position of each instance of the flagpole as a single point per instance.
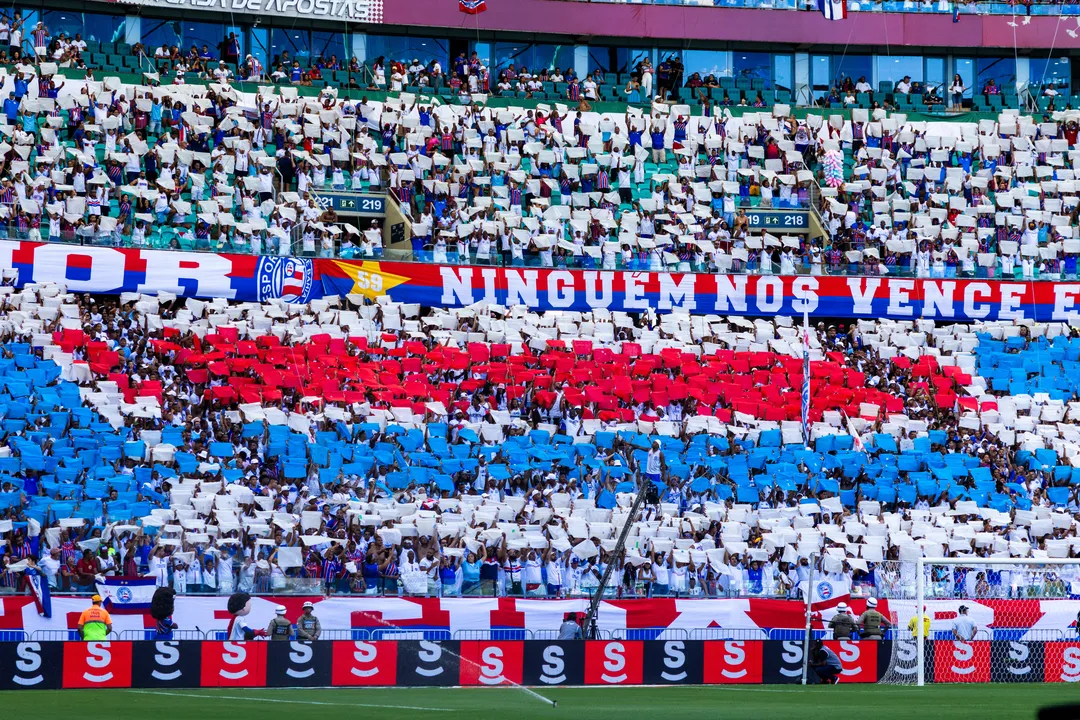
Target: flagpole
(806, 381)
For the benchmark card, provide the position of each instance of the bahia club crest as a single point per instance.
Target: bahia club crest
(287, 278)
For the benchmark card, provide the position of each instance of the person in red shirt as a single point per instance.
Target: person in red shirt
(85, 570)
(1072, 129)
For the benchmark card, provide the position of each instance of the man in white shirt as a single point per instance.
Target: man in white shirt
(589, 88)
(904, 86)
(862, 86)
(50, 565)
(221, 73)
(963, 628)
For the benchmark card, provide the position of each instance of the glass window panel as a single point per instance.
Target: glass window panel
(965, 68)
(1054, 72)
(894, 68)
(103, 28)
(534, 56)
(1001, 70)
(183, 34)
(156, 33)
(630, 58)
(753, 66)
(294, 41)
(327, 45)
(603, 59)
(615, 60)
(203, 34)
(483, 51)
(820, 73)
(406, 49)
(782, 75)
(855, 67)
(935, 76)
(260, 40)
(707, 62)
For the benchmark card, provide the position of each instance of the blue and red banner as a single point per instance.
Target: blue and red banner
(127, 595)
(251, 278)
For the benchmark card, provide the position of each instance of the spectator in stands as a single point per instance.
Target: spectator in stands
(956, 93)
(229, 48)
(15, 35)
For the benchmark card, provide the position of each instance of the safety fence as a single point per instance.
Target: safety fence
(1003, 634)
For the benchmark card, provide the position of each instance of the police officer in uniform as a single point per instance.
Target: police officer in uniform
(843, 625)
(307, 625)
(872, 624)
(279, 628)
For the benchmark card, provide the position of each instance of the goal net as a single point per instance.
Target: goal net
(972, 620)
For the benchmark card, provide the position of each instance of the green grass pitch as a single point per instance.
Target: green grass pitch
(757, 702)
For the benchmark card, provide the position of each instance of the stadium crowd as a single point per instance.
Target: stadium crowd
(209, 167)
(378, 448)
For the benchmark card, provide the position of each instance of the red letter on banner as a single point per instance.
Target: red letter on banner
(97, 664)
(364, 663)
(732, 662)
(615, 662)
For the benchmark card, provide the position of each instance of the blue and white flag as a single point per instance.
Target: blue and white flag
(39, 588)
(124, 595)
(833, 9)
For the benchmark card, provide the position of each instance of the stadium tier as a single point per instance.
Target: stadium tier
(267, 170)
(435, 337)
(218, 447)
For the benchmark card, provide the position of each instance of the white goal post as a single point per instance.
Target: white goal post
(1037, 568)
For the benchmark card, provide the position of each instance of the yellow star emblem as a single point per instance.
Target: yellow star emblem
(369, 279)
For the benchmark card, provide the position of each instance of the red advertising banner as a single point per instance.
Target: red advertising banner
(97, 665)
(234, 664)
(731, 662)
(492, 663)
(956, 661)
(478, 663)
(614, 662)
(1062, 662)
(364, 663)
(860, 659)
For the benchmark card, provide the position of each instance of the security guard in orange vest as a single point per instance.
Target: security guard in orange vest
(95, 623)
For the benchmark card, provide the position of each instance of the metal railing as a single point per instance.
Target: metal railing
(718, 633)
(152, 635)
(515, 634)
